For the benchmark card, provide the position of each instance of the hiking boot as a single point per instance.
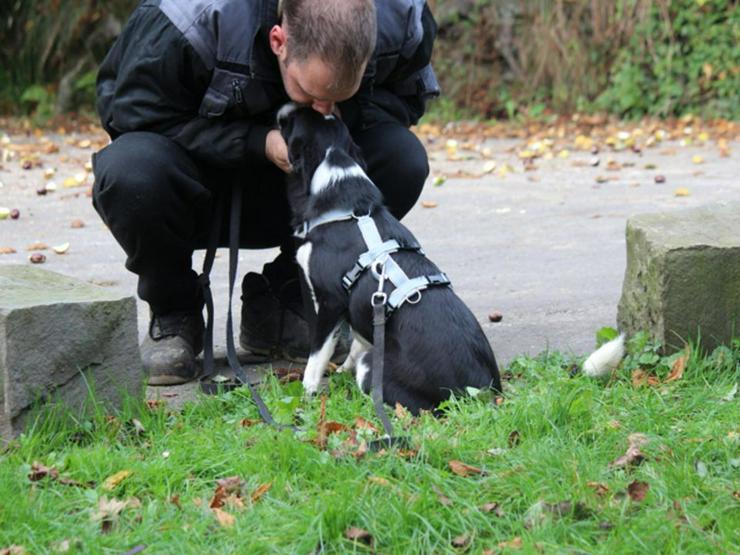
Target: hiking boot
(272, 321)
(169, 349)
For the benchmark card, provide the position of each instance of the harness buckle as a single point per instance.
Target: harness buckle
(379, 298)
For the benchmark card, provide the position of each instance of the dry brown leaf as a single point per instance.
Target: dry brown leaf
(226, 520)
(231, 485)
(428, 204)
(37, 247)
(679, 366)
(464, 470)
(401, 411)
(494, 508)
(443, 499)
(7, 250)
(260, 491)
(14, 550)
(109, 510)
(362, 424)
(638, 490)
(514, 438)
(516, 543)
(358, 534)
(249, 422)
(463, 540)
(77, 224)
(600, 489)
(633, 456)
(641, 378)
(111, 482)
(379, 481)
(175, 500)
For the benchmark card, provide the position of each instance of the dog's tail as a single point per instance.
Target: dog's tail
(605, 359)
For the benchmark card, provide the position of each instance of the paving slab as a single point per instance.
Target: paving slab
(546, 248)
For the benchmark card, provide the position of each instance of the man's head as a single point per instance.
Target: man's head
(323, 47)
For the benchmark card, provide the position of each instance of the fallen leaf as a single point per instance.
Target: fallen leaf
(697, 159)
(379, 481)
(61, 249)
(85, 143)
(681, 192)
(7, 250)
(641, 378)
(600, 489)
(231, 485)
(464, 470)
(175, 500)
(37, 247)
(111, 482)
(401, 411)
(362, 424)
(514, 439)
(633, 456)
(678, 367)
(14, 550)
(260, 491)
(249, 422)
(638, 490)
(226, 520)
(516, 543)
(428, 204)
(494, 508)
(660, 178)
(462, 540)
(77, 224)
(155, 404)
(109, 510)
(36, 258)
(358, 534)
(441, 497)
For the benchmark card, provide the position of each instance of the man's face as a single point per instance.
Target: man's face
(309, 82)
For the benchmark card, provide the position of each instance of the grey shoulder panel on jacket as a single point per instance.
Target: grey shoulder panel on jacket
(399, 26)
(205, 23)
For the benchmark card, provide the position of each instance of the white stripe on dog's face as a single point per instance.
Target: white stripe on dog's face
(302, 257)
(285, 111)
(328, 174)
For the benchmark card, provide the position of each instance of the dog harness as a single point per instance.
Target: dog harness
(378, 258)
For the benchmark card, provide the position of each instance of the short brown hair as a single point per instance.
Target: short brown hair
(341, 33)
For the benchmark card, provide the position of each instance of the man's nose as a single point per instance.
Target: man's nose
(323, 106)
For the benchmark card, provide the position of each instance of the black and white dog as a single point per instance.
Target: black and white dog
(434, 345)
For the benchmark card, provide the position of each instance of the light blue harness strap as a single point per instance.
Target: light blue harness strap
(325, 218)
(369, 231)
(377, 251)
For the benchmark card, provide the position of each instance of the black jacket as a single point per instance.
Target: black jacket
(202, 73)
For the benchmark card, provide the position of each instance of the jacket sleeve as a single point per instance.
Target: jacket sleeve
(153, 80)
(402, 95)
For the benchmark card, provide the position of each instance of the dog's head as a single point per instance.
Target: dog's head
(309, 136)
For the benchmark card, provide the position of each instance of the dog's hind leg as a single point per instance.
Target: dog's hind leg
(356, 349)
(324, 336)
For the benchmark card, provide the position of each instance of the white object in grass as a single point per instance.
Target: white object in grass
(605, 359)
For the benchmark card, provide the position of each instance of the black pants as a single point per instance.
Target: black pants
(157, 200)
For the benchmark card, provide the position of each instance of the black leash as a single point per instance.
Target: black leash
(379, 301)
(207, 383)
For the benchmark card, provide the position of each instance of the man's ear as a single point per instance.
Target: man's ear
(279, 42)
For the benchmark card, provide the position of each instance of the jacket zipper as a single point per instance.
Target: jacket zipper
(237, 92)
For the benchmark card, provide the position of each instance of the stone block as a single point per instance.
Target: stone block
(683, 276)
(58, 338)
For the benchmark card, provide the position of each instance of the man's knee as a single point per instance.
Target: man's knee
(397, 164)
(138, 173)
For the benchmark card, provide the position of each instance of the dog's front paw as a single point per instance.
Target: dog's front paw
(310, 386)
(348, 366)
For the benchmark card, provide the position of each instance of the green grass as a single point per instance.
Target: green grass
(570, 429)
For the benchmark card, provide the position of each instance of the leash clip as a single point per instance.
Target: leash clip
(379, 298)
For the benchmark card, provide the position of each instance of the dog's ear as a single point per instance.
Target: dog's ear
(355, 153)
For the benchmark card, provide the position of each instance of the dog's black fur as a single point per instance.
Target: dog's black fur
(432, 348)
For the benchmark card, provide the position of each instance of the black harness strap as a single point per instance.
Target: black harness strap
(378, 364)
